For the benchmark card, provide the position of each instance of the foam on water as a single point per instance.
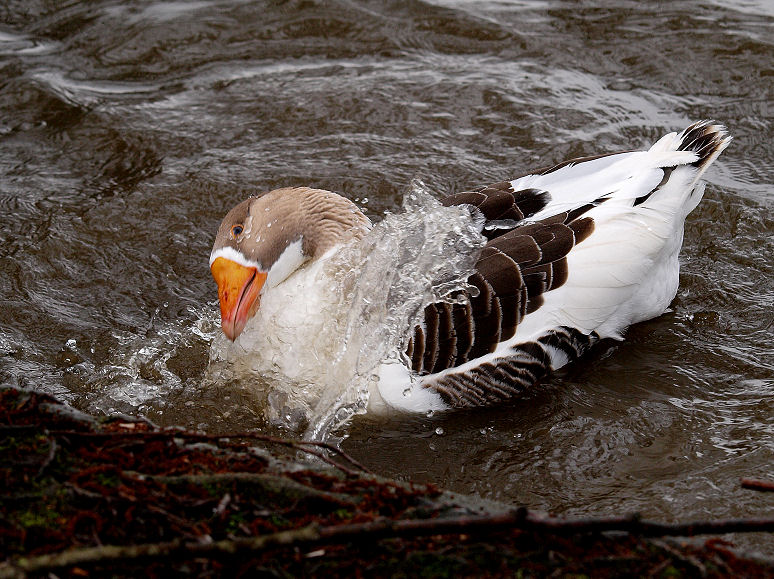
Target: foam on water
(318, 338)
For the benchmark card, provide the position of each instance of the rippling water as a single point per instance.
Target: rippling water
(126, 132)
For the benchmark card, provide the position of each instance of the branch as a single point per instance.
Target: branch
(296, 444)
(757, 485)
(368, 532)
(113, 553)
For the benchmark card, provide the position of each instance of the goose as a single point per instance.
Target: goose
(574, 254)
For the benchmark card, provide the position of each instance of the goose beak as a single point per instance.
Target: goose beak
(239, 289)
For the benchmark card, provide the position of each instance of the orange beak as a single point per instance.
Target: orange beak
(239, 289)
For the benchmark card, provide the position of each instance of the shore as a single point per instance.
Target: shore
(86, 497)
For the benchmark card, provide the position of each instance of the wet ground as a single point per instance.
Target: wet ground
(126, 132)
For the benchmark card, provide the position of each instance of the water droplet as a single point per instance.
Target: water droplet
(439, 431)
(166, 304)
(430, 413)
(71, 343)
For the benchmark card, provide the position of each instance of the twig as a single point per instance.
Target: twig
(538, 522)
(18, 427)
(359, 532)
(268, 483)
(118, 434)
(297, 444)
(686, 559)
(757, 485)
(120, 417)
(656, 571)
(329, 447)
(716, 545)
(52, 448)
(88, 494)
(322, 456)
(176, 548)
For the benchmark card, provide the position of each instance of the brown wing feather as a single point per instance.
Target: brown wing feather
(447, 338)
(499, 202)
(513, 272)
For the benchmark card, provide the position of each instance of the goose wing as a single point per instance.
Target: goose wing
(576, 251)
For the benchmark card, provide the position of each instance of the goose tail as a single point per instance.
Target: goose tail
(705, 139)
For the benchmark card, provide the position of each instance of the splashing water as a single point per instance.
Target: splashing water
(144, 369)
(318, 338)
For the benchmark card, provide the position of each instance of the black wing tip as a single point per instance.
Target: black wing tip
(706, 138)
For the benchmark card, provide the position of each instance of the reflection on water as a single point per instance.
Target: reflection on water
(127, 131)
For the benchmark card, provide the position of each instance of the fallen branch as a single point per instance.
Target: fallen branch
(313, 535)
(757, 485)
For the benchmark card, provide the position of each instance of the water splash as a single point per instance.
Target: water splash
(315, 353)
(144, 369)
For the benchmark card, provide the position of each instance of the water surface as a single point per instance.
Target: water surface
(126, 132)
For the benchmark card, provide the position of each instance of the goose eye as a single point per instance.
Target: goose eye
(236, 231)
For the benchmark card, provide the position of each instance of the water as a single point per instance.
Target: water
(126, 132)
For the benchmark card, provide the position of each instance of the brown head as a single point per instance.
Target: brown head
(264, 239)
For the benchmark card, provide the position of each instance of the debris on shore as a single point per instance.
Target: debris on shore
(85, 497)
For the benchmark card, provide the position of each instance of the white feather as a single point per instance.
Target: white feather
(398, 389)
(626, 271)
(233, 255)
(289, 261)
(623, 176)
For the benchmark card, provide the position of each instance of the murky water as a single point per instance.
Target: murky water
(127, 131)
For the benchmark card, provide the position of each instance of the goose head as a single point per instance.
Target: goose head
(266, 239)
